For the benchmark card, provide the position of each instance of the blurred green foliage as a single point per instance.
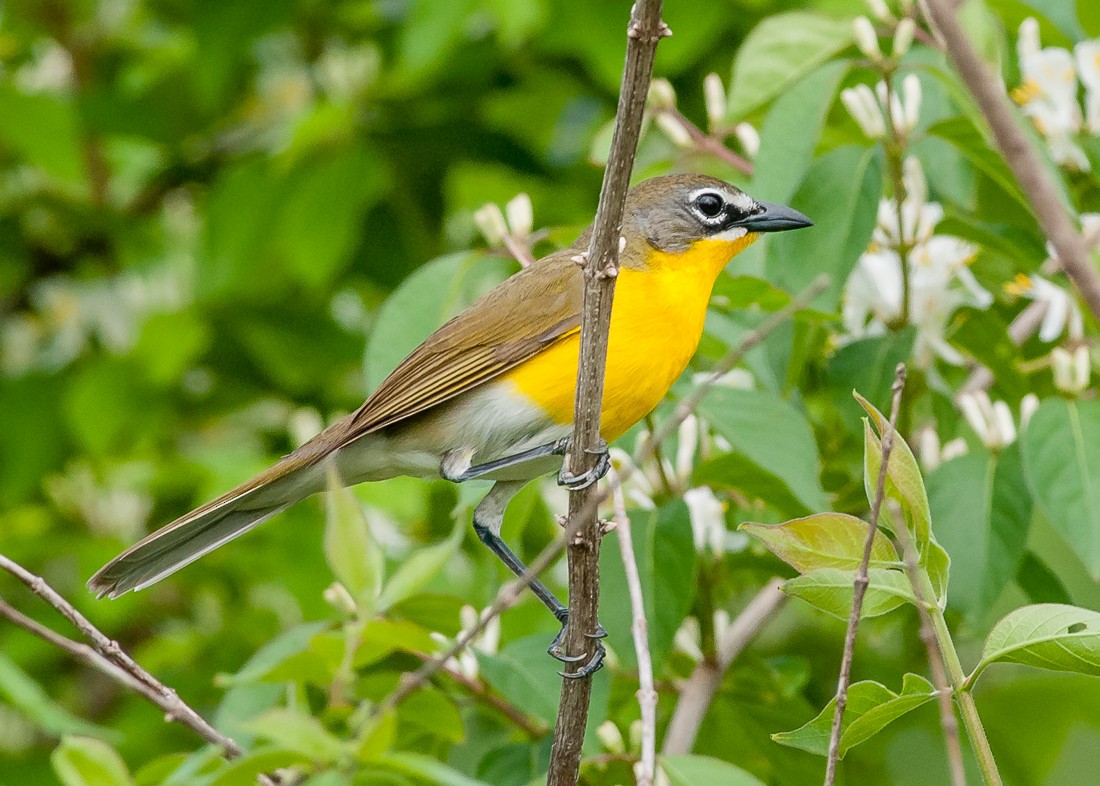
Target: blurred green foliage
(223, 221)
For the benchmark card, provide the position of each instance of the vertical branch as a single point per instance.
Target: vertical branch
(861, 582)
(643, 34)
(948, 720)
(1034, 181)
(645, 770)
(699, 690)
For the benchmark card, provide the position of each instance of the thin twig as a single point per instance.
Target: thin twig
(511, 592)
(948, 720)
(644, 32)
(862, 580)
(703, 684)
(706, 143)
(645, 770)
(533, 728)
(107, 656)
(1054, 219)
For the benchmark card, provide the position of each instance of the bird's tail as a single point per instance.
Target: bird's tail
(204, 529)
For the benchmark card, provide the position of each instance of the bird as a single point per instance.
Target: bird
(490, 394)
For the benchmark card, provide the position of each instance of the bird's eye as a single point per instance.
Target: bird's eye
(709, 204)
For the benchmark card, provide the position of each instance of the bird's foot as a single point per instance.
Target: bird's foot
(556, 650)
(585, 479)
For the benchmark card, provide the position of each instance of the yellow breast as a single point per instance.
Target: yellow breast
(656, 323)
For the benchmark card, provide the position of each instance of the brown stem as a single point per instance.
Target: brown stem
(106, 656)
(708, 144)
(643, 34)
(699, 690)
(861, 582)
(1046, 203)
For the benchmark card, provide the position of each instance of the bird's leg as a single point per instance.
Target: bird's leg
(456, 468)
(488, 516)
(585, 479)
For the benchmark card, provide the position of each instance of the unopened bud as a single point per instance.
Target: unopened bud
(749, 138)
(880, 11)
(867, 38)
(661, 94)
(903, 36)
(714, 94)
(1028, 405)
(337, 595)
(674, 130)
(861, 105)
(520, 216)
(610, 737)
(911, 100)
(1071, 369)
(490, 220)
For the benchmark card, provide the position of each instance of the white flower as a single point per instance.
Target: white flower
(932, 454)
(903, 36)
(939, 280)
(674, 130)
(1063, 315)
(991, 420)
(714, 96)
(868, 108)
(488, 641)
(749, 138)
(1072, 369)
(1048, 95)
(708, 519)
(867, 38)
(490, 220)
(1087, 54)
(521, 217)
(1028, 405)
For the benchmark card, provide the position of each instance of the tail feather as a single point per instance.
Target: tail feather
(202, 530)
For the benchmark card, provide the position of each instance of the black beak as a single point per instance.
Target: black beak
(773, 218)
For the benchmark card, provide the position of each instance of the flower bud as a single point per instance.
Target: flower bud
(880, 11)
(1028, 405)
(674, 130)
(749, 138)
(520, 216)
(610, 737)
(867, 38)
(661, 94)
(714, 94)
(911, 100)
(861, 105)
(903, 36)
(490, 220)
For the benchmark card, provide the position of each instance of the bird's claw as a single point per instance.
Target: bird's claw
(585, 479)
(556, 650)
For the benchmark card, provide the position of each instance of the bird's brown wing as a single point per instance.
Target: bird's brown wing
(533, 309)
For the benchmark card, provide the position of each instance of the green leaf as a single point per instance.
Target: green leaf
(982, 511)
(1039, 582)
(831, 590)
(748, 291)
(298, 732)
(867, 365)
(275, 652)
(246, 771)
(824, 540)
(840, 194)
(1061, 452)
(354, 556)
(685, 770)
(961, 133)
(376, 736)
(779, 52)
(425, 300)
(772, 434)
(84, 761)
(1049, 636)
(20, 691)
(425, 768)
(791, 131)
(23, 118)
(421, 567)
(664, 548)
(735, 471)
(903, 477)
(871, 708)
(1088, 16)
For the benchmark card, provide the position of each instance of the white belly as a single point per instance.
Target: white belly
(493, 421)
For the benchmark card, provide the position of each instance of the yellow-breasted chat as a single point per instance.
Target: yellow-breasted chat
(490, 394)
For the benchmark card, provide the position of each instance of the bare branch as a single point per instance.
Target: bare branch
(645, 770)
(510, 593)
(862, 580)
(706, 679)
(108, 657)
(948, 720)
(1056, 222)
(705, 143)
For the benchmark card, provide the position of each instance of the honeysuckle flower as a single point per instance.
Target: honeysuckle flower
(610, 737)
(903, 36)
(991, 420)
(1063, 315)
(708, 519)
(749, 138)
(932, 454)
(714, 96)
(1028, 405)
(939, 280)
(1048, 94)
(1072, 369)
(868, 107)
(867, 38)
(1087, 54)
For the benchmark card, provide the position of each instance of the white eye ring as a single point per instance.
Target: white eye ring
(717, 199)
